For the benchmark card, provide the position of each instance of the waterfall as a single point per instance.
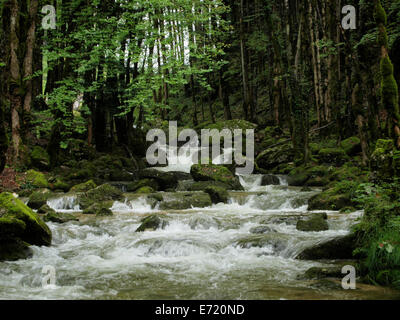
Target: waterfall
(64, 204)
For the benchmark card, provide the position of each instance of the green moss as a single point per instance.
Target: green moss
(215, 173)
(217, 194)
(315, 224)
(39, 198)
(84, 187)
(145, 190)
(151, 223)
(333, 156)
(351, 145)
(59, 184)
(40, 158)
(102, 193)
(11, 227)
(380, 14)
(132, 187)
(100, 208)
(36, 232)
(37, 179)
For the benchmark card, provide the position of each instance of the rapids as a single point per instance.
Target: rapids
(196, 256)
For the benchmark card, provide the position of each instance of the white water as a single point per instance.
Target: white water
(64, 204)
(196, 256)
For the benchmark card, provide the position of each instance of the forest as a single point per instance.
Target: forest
(82, 82)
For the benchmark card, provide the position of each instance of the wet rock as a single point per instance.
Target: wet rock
(36, 232)
(151, 223)
(316, 223)
(203, 222)
(270, 180)
(100, 209)
(152, 183)
(261, 230)
(45, 209)
(59, 217)
(203, 185)
(323, 272)
(102, 193)
(39, 198)
(14, 249)
(84, 187)
(165, 180)
(181, 176)
(336, 248)
(219, 173)
(183, 201)
(278, 241)
(217, 194)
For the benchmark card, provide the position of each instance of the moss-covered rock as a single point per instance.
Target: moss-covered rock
(152, 223)
(337, 248)
(120, 175)
(211, 172)
(165, 180)
(183, 201)
(36, 231)
(340, 195)
(59, 217)
(14, 249)
(351, 146)
(36, 179)
(84, 187)
(60, 184)
(275, 156)
(261, 230)
(217, 194)
(203, 185)
(334, 156)
(133, 186)
(323, 272)
(39, 198)
(270, 180)
(145, 190)
(11, 228)
(100, 209)
(40, 158)
(316, 224)
(277, 241)
(102, 193)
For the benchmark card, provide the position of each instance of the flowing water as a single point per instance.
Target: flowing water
(201, 253)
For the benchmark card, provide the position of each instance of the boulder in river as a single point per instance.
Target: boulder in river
(186, 200)
(100, 209)
(151, 223)
(336, 248)
(165, 180)
(102, 193)
(219, 173)
(270, 179)
(39, 198)
(317, 222)
(19, 228)
(84, 187)
(217, 194)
